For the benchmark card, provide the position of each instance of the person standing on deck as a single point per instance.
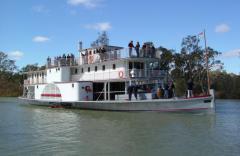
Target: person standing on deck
(190, 88)
(153, 52)
(130, 90)
(137, 47)
(144, 48)
(159, 92)
(130, 46)
(166, 87)
(104, 54)
(49, 61)
(82, 57)
(135, 91)
(68, 60)
(172, 88)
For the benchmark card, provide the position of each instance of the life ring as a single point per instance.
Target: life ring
(120, 74)
(88, 89)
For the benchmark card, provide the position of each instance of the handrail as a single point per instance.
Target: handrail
(100, 93)
(110, 92)
(29, 95)
(116, 54)
(101, 57)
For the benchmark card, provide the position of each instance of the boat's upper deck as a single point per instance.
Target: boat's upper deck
(102, 54)
(103, 63)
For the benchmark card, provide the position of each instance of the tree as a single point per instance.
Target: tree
(6, 65)
(166, 58)
(101, 40)
(30, 67)
(191, 62)
(226, 85)
(9, 78)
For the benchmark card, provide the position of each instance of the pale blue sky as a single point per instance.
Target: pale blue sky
(32, 30)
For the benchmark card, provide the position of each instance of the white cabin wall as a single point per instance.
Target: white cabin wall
(38, 91)
(58, 74)
(35, 80)
(109, 72)
(76, 93)
(69, 91)
(30, 79)
(65, 74)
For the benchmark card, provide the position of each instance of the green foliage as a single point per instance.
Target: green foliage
(227, 86)
(30, 67)
(190, 62)
(101, 40)
(11, 84)
(6, 65)
(166, 58)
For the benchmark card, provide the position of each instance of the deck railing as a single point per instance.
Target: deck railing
(120, 75)
(148, 73)
(101, 57)
(116, 54)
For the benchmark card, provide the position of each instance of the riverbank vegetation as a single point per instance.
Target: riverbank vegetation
(188, 63)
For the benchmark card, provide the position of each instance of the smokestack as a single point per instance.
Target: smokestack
(80, 46)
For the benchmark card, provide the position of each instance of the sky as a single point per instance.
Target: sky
(32, 30)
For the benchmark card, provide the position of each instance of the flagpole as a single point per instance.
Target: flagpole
(207, 67)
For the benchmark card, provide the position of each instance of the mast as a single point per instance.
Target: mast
(207, 67)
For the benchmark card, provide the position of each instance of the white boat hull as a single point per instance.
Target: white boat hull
(163, 105)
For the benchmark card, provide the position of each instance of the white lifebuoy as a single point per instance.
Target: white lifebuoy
(120, 74)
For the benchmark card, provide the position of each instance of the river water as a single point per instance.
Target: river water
(33, 130)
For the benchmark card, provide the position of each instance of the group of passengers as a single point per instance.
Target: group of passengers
(147, 50)
(88, 55)
(165, 91)
(64, 60)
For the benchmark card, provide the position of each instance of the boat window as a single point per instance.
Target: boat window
(114, 66)
(95, 68)
(88, 69)
(76, 71)
(142, 66)
(103, 67)
(72, 85)
(130, 65)
(154, 65)
(137, 65)
(82, 70)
